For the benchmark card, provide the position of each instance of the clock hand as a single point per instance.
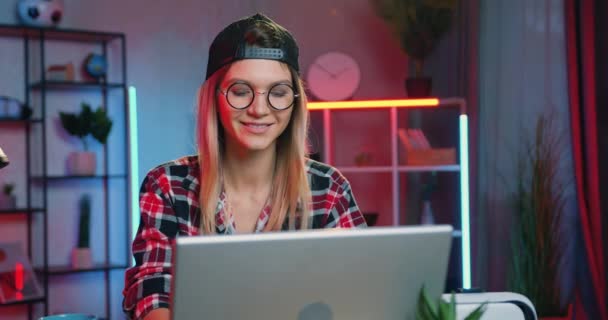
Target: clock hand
(331, 74)
(342, 71)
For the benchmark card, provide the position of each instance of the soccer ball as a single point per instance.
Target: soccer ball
(40, 13)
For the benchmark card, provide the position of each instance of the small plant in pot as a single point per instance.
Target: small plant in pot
(8, 199)
(418, 25)
(81, 255)
(427, 216)
(82, 125)
(426, 309)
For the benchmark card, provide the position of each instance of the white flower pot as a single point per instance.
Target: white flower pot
(427, 213)
(81, 258)
(7, 202)
(82, 163)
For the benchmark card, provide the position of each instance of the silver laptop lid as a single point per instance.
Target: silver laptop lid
(355, 274)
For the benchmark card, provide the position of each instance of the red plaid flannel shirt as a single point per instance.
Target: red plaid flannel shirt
(169, 207)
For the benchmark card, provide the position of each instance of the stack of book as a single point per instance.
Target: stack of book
(418, 150)
(60, 72)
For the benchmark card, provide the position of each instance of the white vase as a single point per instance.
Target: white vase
(81, 258)
(82, 163)
(427, 213)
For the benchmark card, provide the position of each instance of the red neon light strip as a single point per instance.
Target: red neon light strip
(19, 276)
(371, 104)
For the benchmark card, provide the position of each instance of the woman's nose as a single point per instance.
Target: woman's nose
(259, 106)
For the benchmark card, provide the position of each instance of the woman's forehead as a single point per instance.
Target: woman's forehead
(258, 71)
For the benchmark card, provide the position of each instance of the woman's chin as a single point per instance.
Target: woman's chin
(256, 145)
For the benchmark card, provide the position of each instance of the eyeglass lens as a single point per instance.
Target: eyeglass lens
(240, 96)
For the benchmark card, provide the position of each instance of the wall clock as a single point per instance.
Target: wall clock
(333, 76)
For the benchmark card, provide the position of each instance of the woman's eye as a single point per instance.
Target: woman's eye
(278, 94)
(241, 93)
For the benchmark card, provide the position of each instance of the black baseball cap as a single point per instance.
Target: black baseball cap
(236, 43)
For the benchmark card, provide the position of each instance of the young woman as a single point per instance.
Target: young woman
(251, 173)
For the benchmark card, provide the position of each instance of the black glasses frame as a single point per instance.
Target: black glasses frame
(225, 93)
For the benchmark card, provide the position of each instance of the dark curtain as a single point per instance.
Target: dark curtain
(582, 89)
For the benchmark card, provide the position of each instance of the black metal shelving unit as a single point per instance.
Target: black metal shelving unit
(44, 180)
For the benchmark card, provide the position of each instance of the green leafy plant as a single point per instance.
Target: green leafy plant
(85, 221)
(417, 24)
(8, 188)
(537, 242)
(87, 122)
(426, 309)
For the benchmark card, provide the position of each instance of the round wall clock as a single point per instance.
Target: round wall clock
(333, 76)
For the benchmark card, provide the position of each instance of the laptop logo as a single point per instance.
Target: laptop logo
(316, 311)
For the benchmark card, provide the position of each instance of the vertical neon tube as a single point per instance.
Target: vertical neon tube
(133, 151)
(19, 281)
(464, 202)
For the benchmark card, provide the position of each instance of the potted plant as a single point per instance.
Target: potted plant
(418, 25)
(87, 122)
(427, 216)
(537, 241)
(8, 199)
(81, 255)
(426, 309)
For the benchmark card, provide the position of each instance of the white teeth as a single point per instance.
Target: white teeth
(257, 125)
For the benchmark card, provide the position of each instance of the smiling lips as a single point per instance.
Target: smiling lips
(256, 127)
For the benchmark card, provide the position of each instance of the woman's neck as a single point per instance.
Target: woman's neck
(250, 172)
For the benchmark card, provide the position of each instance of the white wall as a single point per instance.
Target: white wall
(167, 43)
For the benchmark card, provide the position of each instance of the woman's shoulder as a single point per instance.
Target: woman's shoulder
(323, 173)
(184, 169)
(177, 167)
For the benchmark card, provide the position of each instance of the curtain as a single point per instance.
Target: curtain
(580, 29)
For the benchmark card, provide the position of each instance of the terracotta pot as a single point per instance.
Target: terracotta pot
(418, 87)
(81, 164)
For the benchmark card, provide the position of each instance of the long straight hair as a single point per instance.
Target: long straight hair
(290, 197)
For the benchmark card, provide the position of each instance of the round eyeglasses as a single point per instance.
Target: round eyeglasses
(240, 96)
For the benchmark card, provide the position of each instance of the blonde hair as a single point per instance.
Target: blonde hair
(290, 196)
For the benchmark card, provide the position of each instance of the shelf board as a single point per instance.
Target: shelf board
(63, 270)
(9, 30)
(70, 177)
(448, 168)
(371, 169)
(19, 121)
(21, 210)
(23, 302)
(72, 85)
(366, 169)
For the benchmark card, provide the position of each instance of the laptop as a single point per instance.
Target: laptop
(343, 274)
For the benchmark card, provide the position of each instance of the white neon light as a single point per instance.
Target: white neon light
(464, 201)
(133, 151)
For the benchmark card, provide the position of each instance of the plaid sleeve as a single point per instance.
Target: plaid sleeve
(345, 213)
(148, 282)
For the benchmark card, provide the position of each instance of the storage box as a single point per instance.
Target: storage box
(430, 157)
